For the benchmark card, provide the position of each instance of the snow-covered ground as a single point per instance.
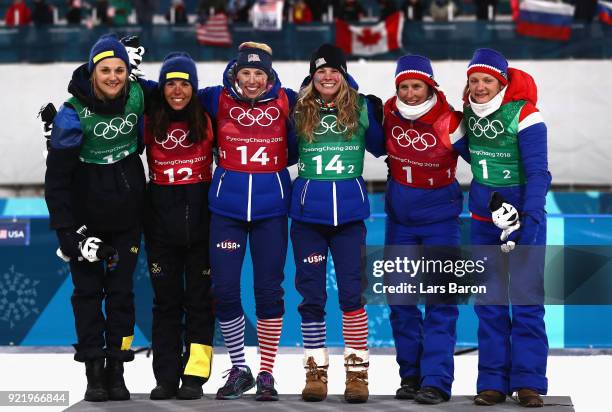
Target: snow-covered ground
(584, 378)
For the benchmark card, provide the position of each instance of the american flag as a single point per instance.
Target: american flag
(215, 31)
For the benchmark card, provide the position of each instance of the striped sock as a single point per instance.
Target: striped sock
(355, 329)
(233, 335)
(313, 334)
(268, 335)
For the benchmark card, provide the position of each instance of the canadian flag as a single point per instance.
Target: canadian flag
(371, 39)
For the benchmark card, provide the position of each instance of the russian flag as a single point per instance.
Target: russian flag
(605, 12)
(545, 19)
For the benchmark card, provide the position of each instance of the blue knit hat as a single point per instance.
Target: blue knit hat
(413, 66)
(491, 62)
(178, 65)
(255, 57)
(107, 46)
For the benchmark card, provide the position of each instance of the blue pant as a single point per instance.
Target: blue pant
(268, 243)
(512, 342)
(425, 347)
(311, 243)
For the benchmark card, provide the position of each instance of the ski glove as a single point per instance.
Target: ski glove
(135, 52)
(77, 245)
(47, 113)
(505, 217)
(69, 240)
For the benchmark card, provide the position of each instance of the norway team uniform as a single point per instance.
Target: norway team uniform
(423, 202)
(249, 198)
(509, 155)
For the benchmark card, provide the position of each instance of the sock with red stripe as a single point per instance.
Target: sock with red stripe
(355, 329)
(268, 335)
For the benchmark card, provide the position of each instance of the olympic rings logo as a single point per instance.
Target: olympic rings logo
(249, 117)
(411, 137)
(329, 123)
(175, 138)
(488, 129)
(117, 125)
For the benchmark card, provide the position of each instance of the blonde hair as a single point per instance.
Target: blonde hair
(255, 45)
(307, 110)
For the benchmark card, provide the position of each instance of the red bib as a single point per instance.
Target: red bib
(252, 139)
(420, 154)
(174, 160)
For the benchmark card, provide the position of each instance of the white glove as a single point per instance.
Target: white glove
(135, 52)
(506, 217)
(89, 248)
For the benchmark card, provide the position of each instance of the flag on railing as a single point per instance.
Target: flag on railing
(605, 12)
(545, 19)
(268, 15)
(371, 39)
(215, 31)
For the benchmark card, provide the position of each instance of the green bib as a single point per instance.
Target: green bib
(110, 138)
(493, 144)
(331, 156)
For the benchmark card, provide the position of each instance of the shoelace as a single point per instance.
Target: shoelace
(266, 379)
(233, 373)
(314, 373)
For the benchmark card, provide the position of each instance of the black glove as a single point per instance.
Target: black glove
(47, 113)
(69, 241)
(377, 105)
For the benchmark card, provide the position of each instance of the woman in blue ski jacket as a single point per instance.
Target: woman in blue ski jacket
(249, 198)
(335, 125)
(507, 140)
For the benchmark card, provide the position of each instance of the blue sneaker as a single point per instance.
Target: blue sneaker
(238, 382)
(265, 387)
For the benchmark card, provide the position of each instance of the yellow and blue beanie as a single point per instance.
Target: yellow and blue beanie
(107, 46)
(178, 65)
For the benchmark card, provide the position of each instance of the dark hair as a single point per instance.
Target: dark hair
(159, 117)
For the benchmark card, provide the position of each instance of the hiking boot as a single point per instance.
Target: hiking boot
(115, 385)
(356, 363)
(489, 398)
(316, 362)
(265, 387)
(408, 389)
(238, 382)
(430, 395)
(162, 392)
(530, 398)
(191, 388)
(96, 389)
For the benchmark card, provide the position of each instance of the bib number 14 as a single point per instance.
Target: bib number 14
(260, 156)
(334, 165)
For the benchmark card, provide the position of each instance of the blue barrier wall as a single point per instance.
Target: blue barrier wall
(35, 286)
(438, 41)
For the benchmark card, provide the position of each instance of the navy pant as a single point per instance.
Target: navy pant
(425, 347)
(268, 243)
(512, 342)
(311, 243)
(99, 335)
